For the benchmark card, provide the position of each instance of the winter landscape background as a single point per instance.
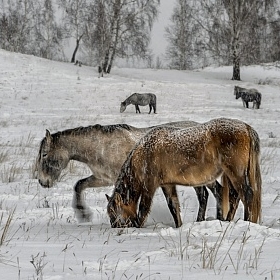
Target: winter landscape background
(39, 234)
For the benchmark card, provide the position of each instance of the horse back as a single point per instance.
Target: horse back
(191, 156)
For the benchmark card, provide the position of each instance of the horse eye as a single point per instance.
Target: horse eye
(44, 155)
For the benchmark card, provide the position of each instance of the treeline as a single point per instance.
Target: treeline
(107, 28)
(201, 32)
(223, 32)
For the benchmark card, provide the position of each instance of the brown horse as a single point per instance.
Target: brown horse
(192, 156)
(104, 149)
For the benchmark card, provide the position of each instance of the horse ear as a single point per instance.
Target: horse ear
(108, 197)
(48, 136)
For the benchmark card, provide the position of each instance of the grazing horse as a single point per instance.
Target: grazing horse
(192, 156)
(104, 149)
(140, 99)
(248, 95)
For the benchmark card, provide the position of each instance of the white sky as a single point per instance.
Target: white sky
(158, 41)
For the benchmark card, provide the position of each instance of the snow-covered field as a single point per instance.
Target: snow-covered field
(39, 234)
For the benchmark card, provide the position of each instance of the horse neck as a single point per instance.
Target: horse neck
(75, 146)
(132, 99)
(127, 101)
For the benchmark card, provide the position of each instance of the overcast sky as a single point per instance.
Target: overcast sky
(158, 41)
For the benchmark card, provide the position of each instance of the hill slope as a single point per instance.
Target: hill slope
(44, 240)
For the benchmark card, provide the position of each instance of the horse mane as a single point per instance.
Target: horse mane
(88, 129)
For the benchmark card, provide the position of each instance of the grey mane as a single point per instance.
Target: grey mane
(81, 130)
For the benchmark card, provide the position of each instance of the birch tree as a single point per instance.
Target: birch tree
(183, 37)
(130, 27)
(74, 18)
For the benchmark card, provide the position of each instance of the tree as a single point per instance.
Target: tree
(182, 36)
(48, 34)
(74, 20)
(29, 26)
(130, 24)
(227, 31)
(16, 26)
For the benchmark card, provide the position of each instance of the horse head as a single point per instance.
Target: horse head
(122, 214)
(237, 92)
(123, 107)
(51, 160)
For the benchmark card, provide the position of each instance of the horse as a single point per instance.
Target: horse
(248, 95)
(140, 99)
(104, 149)
(191, 156)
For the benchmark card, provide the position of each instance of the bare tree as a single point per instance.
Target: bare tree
(48, 34)
(185, 40)
(227, 31)
(130, 27)
(74, 19)
(16, 22)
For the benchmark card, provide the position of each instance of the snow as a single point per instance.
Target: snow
(43, 239)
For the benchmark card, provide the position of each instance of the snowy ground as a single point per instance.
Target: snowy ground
(39, 234)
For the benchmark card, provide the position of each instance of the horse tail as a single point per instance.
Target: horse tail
(254, 176)
(225, 196)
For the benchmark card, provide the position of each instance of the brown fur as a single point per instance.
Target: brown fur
(192, 157)
(103, 149)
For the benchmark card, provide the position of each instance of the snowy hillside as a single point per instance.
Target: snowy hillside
(39, 234)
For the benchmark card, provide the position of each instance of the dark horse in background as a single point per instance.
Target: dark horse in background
(248, 95)
(192, 156)
(140, 99)
(104, 149)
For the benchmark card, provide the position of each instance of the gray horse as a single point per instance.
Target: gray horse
(104, 149)
(248, 95)
(140, 99)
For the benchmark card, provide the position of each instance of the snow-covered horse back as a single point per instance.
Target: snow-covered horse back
(104, 149)
(192, 156)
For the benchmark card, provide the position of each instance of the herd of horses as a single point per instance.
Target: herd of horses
(144, 99)
(139, 160)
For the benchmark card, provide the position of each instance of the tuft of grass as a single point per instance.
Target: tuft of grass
(5, 229)
(10, 173)
(38, 263)
(3, 156)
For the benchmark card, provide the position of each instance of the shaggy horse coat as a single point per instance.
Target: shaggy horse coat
(193, 156)
(104, 149)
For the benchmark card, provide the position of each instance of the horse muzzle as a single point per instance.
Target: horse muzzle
(45, 184)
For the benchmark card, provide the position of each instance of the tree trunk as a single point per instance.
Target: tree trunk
(236, 69)
(106, 61)
(73, 59)
(110, 63)
(236, 59)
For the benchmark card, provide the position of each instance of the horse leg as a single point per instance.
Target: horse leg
(202, 196)
(137, 109)
(150, 106)
(247, 104)
(82, 211)
(242, 190)
(229, 197)
(233, 203)
(173, 203)
(217, 189)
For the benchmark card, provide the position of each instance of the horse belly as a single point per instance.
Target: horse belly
(193, 174)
